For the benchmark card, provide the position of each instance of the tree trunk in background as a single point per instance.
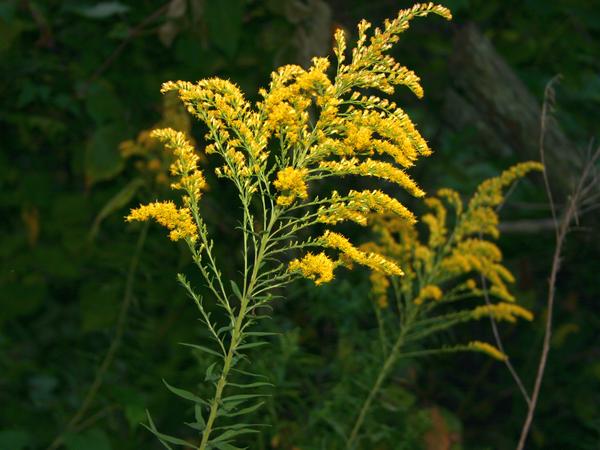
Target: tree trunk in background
(486, 94)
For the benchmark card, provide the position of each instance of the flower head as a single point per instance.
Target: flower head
(291, 183)
(488, 349)
(318, 268)
(370, 259)
(178, 220)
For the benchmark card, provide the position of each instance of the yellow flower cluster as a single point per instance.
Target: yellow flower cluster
(185, 165)
(291, 94)
(372, 260)
(291, 183)
(360, 204)
(178, 220)
(373, 168)
(480, 216)
(488, 349)
(429, 292)
(237, 132)
(447, 257)
(379, 288)
(370, 65)
(151, 160)
(436, 222)
(483, 257)
(508, 312)
(318, 268)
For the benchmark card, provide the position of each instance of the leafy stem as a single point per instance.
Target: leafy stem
(237, 334)
(385, 370)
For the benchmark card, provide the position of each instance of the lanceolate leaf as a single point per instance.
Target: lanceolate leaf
(251, 345)
(202, 348)
(236, 289)
(184, 394)
(244, 411)
(251, 385)
(233, 433)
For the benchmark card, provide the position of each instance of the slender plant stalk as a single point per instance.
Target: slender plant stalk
(587, 181)
(562, 231)
(500, 345)
(114, 345)
(214, 406)
(235, 337)
(389, 363)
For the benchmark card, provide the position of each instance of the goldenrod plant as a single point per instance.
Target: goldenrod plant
(307, 127)
(453, 262)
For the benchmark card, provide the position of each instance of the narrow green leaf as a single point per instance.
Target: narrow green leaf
(233, 433)
(152, 428)
(237, 426)
(164, 438)
(261, 333)
(251, 385)
(202, 348)
(244, 411)
(250, 374)
(223, 329)
(236, 289)
(226, 446)
(198, 415)
(184, 394)
(194, 426)
(251, 345)
(209, 375)
(237, 397)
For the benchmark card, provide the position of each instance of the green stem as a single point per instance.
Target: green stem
(235, 341)
(383, 374)
(214, 407)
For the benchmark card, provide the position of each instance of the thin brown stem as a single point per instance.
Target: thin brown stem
(575, 200)
(500, 346)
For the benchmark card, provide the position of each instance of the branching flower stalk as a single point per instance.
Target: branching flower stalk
(307, 127)
(440, 272)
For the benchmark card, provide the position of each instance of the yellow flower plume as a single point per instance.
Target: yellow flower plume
(318, 268)
(372, 260)
(488, 349)
(178, 220)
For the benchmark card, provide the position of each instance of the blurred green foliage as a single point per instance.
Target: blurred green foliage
(78, 78)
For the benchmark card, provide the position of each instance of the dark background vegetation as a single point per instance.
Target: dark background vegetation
(79, 77)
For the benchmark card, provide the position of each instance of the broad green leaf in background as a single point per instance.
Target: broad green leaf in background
(119, 200)
(102, 103)
(224, 21)
(102, 158)
(102, 10)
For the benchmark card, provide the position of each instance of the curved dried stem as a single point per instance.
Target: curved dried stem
(580, 196)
